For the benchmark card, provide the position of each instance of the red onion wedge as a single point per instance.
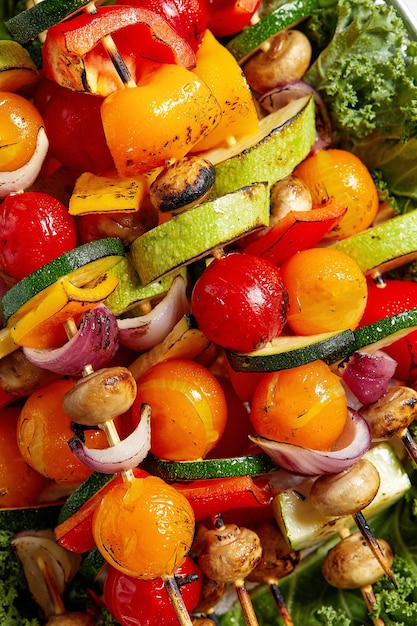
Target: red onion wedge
(95, 343)
(125, 455)
(368, 375)
(144, 332)
(349, 448)
(284, 94)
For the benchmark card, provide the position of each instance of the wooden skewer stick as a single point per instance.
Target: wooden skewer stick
(372, 542)
(367, 590)
(370, 600)
(175, 596)
(114, 54)
(409, 443)
(280, 602)
(245, 603)
(113, 438)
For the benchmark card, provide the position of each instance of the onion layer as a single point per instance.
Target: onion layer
(368, 375)
(284, 94)
(144, 332)
(25, 176)
(349, 448)
(95, 343)
(125, 455)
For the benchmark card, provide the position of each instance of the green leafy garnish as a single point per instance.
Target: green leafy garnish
(367, 76)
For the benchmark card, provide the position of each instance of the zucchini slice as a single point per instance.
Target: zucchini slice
(250, 465)
(287, 352)
(38, 517)
(252, 37)
(380, 334)
(30, 23)
(76, 263)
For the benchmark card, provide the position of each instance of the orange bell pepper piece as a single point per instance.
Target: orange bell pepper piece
(162, 118)
(229, 86)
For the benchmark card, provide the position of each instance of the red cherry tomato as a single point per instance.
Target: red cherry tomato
(240, 302)
(383, 301)
(74, 128)
(135, 602)
(187, 17)
(227, 17)
(35, 229)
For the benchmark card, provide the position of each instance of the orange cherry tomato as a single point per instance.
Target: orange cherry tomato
(327, 291)
(20, 484)
(144, 527)
(304, 405)
(341, 174)
(160, 119)
(44, 430)
(189, 409)
(20, 122)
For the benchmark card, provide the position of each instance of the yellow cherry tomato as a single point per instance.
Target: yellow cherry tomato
(341, 174)
(327, 291)
(144, 527)
(20, 122)
(304, 405)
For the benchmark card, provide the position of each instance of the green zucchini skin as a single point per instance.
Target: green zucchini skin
(35, 517)
(66, 263)
(273, 358)
(286, 16)
(30, 23)
(82, 494)
(249, 465)
(286, 353)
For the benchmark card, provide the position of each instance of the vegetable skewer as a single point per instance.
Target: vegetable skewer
(347, 493)
(277, 562)
(229, 555)
(107, 425)
(114, 54)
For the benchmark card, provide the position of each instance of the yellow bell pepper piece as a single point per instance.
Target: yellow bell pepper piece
(44, 325)
(100, 194)
(7, 345)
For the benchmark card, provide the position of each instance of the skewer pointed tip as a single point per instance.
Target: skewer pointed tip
(372, 542)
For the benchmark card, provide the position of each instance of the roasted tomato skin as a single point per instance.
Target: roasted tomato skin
(390, 298)
(35, 229)
(74, 128)
(134, 602)
(227, 17)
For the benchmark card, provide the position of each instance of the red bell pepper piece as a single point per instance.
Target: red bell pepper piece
(216, 495)
(207, 498)
(296, 231)
(227, 17)
(73, 54)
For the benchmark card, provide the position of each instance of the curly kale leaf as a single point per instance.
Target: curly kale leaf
(16, 606)
(367, 76)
